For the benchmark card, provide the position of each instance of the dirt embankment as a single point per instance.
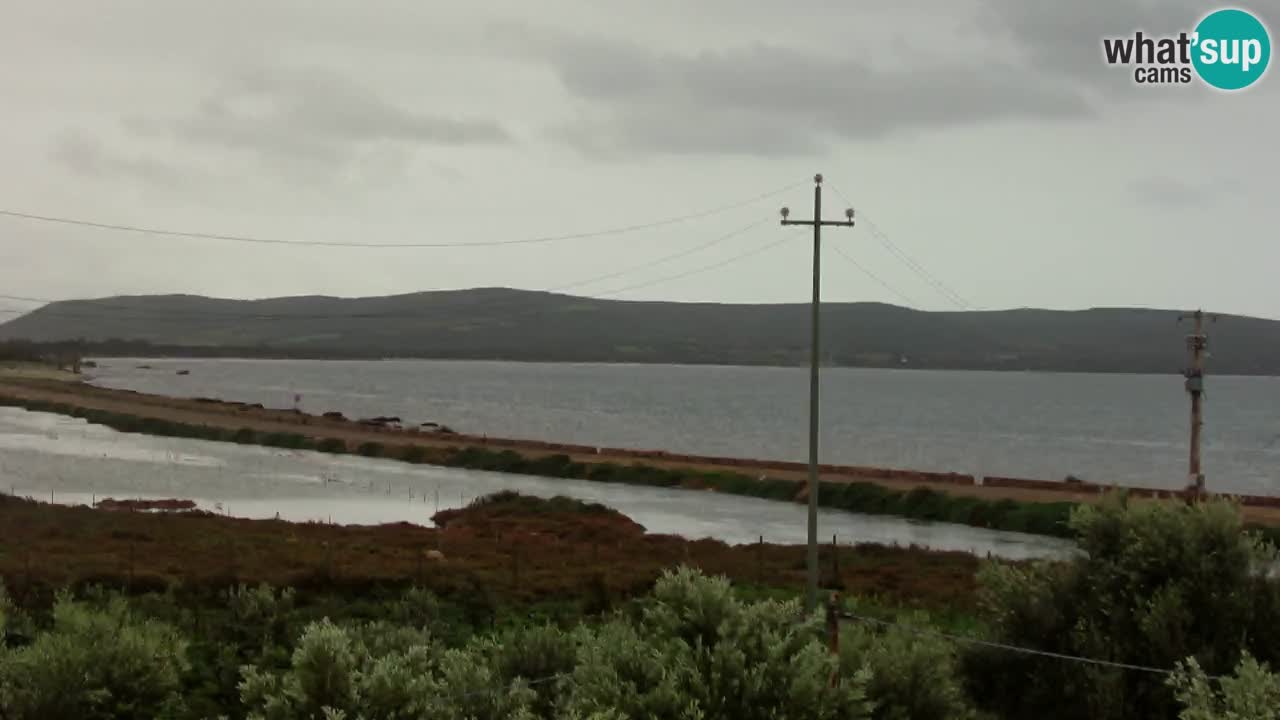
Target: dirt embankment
(235, 415)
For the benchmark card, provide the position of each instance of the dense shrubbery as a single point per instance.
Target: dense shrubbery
(1158, 583)
(691, 650)
(95, 662)
(1252, 692)
(912, 677)
(1162, 586)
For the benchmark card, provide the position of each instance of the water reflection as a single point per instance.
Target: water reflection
(44, 456)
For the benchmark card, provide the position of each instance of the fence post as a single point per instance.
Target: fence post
(760, 560)
(835, 562)
(833, 634)
(515, 567)
(231, 555)
(421, 552)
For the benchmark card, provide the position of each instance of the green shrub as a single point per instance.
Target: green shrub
(698, 651)
(95, 664)
(331, 445)
(292, 441)
(1251, 693)
(912, 677)
(1156, 583)
(6, 609)
(245, 436)
(413, 454)
(534, 653)
(371, 449)
(370, 672)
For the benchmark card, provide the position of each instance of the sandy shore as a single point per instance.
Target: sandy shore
(237, 415)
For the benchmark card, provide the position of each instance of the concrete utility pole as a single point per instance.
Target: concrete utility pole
(1197, 342)
(811, 560)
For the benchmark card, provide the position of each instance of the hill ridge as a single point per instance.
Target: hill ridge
(509, 324)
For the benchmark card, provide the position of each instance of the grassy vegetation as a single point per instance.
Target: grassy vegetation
(511, 502)
(518, 614)
(521, 549)
(863, 497)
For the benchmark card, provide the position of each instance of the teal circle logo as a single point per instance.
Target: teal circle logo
(1231, 49)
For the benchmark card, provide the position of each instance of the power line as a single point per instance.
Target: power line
(143, 313)
(952, 296)
(512, 685)
(322, 243)
(849, 258)
(661, 260)
(695, 271)
(922, 632)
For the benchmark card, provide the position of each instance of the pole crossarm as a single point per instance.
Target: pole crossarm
(823, 223)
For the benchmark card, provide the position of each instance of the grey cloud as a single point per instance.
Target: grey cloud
(325, 104)
(313, 121)
(995, 60)
(766, 100)
(88, 156)
(1166, 191)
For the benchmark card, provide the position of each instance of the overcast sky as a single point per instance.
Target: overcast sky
(986, 139)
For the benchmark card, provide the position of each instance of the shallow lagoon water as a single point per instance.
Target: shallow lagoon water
(67, 460)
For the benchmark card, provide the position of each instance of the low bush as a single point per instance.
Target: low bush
(911, 677)
(292, 441)
(95, 663)
(331, 445)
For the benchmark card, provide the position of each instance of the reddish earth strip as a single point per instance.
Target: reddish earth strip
(518, 550)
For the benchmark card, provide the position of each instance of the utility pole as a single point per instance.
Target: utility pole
(811, 559)
(1197, 342)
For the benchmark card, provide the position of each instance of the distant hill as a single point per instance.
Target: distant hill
(495, 323)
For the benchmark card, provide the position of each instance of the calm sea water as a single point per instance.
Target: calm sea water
(66, 460)
(1126, 429)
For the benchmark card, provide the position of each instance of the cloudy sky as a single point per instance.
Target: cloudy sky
(984, 139)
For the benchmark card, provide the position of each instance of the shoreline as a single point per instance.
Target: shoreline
(1071, 489)
(1012, 504)
(692, 364)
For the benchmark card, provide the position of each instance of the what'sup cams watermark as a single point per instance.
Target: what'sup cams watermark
(1229, 49)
